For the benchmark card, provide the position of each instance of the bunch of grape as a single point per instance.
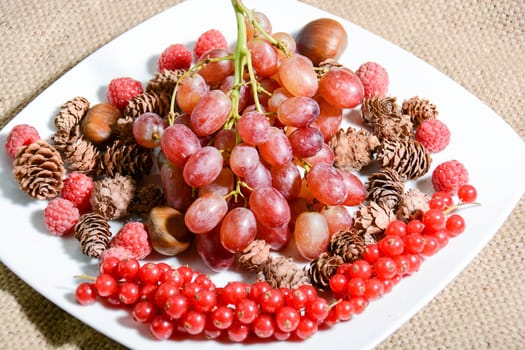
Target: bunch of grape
(244, 153)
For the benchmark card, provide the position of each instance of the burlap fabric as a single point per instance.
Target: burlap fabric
(479, 43)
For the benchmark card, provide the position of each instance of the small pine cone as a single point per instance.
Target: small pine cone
(412, 205)
(254, 256)
(111, 197)
(164, 83)
(126, 158)
(373, 219)
(93, 233)
(419, 110)
(393, 126)
(385, 187)
(71, 113)
(281, 272)
(39, 170)
(322, 269)
(353, 149)
(146, 198)
(79, 153)
(148, 102)
(408, 157)
(374, 107)
(348, 244)
(123, 130)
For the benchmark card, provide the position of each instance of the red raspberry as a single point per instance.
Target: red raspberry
(120, 253)
(433, 134)
(121, 90)
(212, 39)
(134, 237)
(374, 78)
(449, 176)
(176, 56)
(20, 135)
(77, 189)
(60, 216)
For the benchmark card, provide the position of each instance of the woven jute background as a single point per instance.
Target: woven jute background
(478, 43)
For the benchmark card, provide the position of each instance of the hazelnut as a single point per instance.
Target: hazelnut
(98, 124)
(322, 39)
(167, 232)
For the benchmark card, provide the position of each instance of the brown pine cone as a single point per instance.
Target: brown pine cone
(353, 149)
(412, 204)
(254, 256)
(148, 102)
(39, 170)
(373, 219)
(393, 126)
(385, 187)
(419, 110)
(321, 269)
(348, 244)
(125, 158)
(374, 107)
(111, 197)
(164, 83)
(146, 198)
(281, 272)
(408, 157)
(71, 113)
(93, 233)
(79, 153)
(123, 130)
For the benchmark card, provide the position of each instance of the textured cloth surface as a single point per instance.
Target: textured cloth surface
(478, 43)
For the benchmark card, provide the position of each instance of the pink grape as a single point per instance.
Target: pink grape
(311, 235)
(243, 159)
(356, 192)
(326, 184)
(223, 184)
(253, 128)
(244, 91)
(203, 167)
(238, 229)
(224, 141)
(286, 40)
(299, 111)
(277, 151)
(265, 59)
(306, 141)
(176, 192)
(275, 237)
(342, 88)
(260, 177)
(268, 85)
(330, 119)
(337, 218)
(191, 89)
(205, 213)
(287, 180)
(269, 207)
(279, 95)
(178, 142)
(212, 253)
(325, 155)
(210, 113)
(297, 75)
(215, 72)
(147, 129)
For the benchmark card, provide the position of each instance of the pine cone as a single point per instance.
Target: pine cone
(353, 149)
(39, 170)
(123, 130)
(374, 107)
(147, 198)
(385, 187)
(164, 83)
(147, 102)
(419, 110)
(125, 158)
(321, 269)
(408, 157)
(412, 205)
(255, 255)
(393, 126)
(93, 233)
(79, 153)
(281, 272)
(348, 244)
(111, 197)
(71, 113)
(373, 219)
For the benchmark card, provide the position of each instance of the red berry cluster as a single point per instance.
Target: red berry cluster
(179, 301)
(398, 254)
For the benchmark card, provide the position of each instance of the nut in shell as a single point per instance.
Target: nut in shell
(99, 122)
(322, 39)
(167, 231)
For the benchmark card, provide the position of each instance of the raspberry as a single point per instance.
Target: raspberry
(374, 78)
(60, 216)
(77, 189)
(212, 39)
(449, 176)
(121, 90)
(133, 237)
(20, 135)
(120, 253)
(433, 134)
(176, 56)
